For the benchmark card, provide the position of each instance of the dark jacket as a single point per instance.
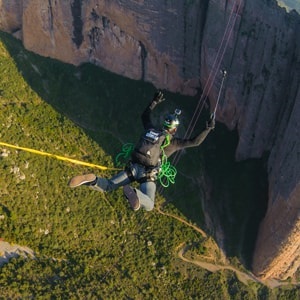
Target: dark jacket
(176, 143)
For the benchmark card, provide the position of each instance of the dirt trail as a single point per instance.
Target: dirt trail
(182, 221)
(244, 277)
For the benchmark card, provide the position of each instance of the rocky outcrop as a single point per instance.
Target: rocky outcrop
(174, 45)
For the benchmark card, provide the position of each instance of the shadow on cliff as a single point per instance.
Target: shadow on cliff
(239, 194)
(108, 108)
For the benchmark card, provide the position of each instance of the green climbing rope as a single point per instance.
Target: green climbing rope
(124, 155)
(167, 171)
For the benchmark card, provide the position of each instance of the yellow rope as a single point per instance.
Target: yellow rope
(74, 161)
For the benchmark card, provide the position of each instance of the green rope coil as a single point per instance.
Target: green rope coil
(167, 172)
(124, 155)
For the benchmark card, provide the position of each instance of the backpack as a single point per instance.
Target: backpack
(148, 149)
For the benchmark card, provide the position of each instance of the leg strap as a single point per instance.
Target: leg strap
(129, 173)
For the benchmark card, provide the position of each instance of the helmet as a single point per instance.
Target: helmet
(172, 121)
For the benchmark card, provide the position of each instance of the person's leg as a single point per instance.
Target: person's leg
(137, 197)
(107, 185)
(143, 197)
(100, 184)
(146, 195)
(131, 196)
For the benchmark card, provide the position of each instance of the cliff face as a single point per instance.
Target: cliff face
(173, 44)
(131, 38)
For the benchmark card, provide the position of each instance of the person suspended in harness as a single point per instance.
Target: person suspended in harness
(146, 159)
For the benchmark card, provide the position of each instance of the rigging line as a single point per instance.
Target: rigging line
(204, 94)
(209, 82)
(236, 7)
(219, 95)
(227, 34)
(215, 61)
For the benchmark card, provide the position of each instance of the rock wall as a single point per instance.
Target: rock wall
(174, 45)
(130, 38)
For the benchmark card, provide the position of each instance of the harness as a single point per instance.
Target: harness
(150, 156)
(148, 150)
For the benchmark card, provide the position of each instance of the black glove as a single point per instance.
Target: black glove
(158, 97)
(211, 123)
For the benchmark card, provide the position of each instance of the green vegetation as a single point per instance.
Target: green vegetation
(88, 245)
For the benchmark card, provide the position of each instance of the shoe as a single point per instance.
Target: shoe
(132, 197)
(87, 179)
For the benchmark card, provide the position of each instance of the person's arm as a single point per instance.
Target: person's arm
(146, 115)
(197, 140)
(178, 144)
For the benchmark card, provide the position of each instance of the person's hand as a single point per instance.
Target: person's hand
(158, 97)
(211, 123)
